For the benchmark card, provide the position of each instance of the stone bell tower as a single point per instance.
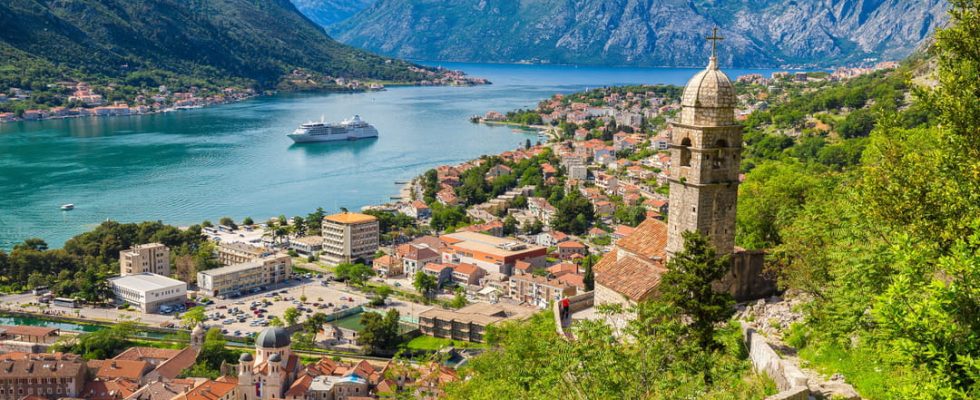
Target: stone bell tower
(705, 154)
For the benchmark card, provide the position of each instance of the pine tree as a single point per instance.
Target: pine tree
(687, 285)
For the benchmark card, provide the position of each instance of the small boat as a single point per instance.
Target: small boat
(67, 207)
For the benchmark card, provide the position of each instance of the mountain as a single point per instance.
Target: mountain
(758, 33)
(255, 41)
(329, 12)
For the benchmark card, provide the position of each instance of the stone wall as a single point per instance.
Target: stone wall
(788, 377)
(747, 280)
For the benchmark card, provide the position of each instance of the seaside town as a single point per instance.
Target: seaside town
(390, 300)
(73, 99)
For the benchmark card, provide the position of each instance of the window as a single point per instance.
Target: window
(686, 152)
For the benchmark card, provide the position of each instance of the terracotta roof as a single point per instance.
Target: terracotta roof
(649, 239)
(106, 390)
(563, 268)
(20, 330)
(350, 218)
(140, 353)
(300, 387)
(571, 244)
(182, 360)
(126, 369)
(464, 268)
(522, 265)
(573, 280)
(623, 230)
(435, 267)
(628, 275)
(210, 390)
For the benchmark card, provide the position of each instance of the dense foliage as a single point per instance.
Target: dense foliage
(81, 268)
(889, 247)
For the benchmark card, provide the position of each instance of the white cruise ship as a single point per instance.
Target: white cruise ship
(350, 129)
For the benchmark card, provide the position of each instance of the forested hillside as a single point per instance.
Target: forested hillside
(867, 197)
(192, 42)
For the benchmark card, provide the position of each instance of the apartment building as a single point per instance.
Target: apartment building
(538, 291)
(349, 236)
(51, 376)
(238, 279)
(238, 252)
(468, 323)
(151, 257)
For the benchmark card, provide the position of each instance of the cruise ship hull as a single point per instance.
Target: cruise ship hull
(306, 138)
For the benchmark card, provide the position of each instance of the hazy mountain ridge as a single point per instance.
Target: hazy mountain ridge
(644, 32)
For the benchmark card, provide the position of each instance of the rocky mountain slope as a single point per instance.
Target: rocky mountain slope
(329, 12)
(644, 32)
(258, 41)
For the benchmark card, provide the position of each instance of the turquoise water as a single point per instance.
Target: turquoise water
(235, 160)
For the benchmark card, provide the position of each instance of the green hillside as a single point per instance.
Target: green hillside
(254, 43)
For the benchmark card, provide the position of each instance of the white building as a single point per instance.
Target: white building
(148, 291)
(239, 279)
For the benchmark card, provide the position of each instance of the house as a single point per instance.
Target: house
(442, 272)
(467, 274)
(417, 209)
(388, 266)
(497, 171)
(548, 170)
(551, 238)
(541, 209)
(538, 291)
(415, 256)
(567, 249)
(604, 207)
(621, 231)
(606, 182)
(447, 197)
(492, 228)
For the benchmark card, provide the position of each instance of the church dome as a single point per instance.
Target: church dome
(275, 357)
(710, 88)
(245, 357)
(273, 338)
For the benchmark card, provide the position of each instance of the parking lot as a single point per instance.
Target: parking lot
(251, 314)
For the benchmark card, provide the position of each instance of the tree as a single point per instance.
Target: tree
(687, 285)
(227, 221)
(425, 283)
(459, 300)
(275, 321)
(248, 221)
(355, 274)
(574, 214)
(291, 316)
(213, 354)
(510, 225)
(193, 316)
(380, 295)
(588, 273)
(380, 332)
(101, 344)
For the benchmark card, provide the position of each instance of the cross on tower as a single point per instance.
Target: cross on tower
(714, 38)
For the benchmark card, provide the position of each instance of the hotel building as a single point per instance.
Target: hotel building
(240, 278)
(151, 257)
(349, 236)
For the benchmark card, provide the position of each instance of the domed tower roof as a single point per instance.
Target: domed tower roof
(275, 357)
(245, 357)
(273, 338)
(709, 97)
(709, 88)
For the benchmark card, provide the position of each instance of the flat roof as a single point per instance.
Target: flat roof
(350, 218)
(235, 267)
(146, 281)
(489, 244)
(480, 313)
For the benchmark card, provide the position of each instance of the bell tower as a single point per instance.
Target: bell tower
(705, 154)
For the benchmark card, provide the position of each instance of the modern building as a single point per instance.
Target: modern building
(467, 274)
(147, 291)
(468, 323)
(240, 278)
(50, 376)
(349, 236)
(493, 254)
(151, 257)
(307, 245)
(238, 252)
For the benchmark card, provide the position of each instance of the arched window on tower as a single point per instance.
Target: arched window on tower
(719, 160)
(686, 152)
